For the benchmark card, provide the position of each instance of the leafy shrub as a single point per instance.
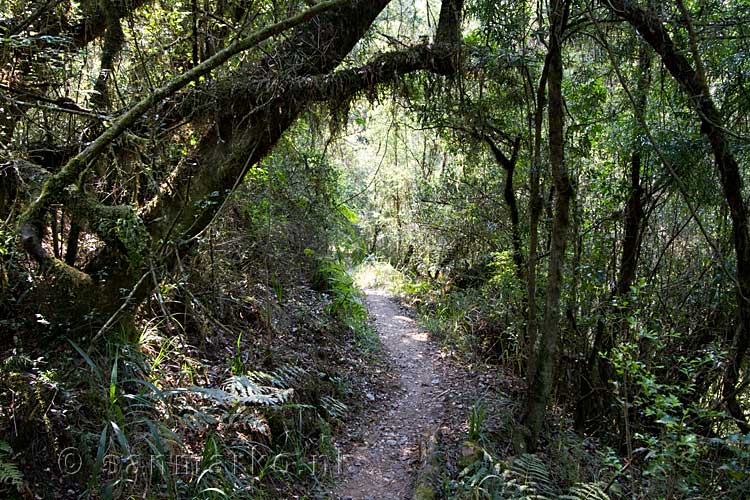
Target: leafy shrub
(348, 303)
(677, 459)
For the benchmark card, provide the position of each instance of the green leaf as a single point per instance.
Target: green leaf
(97, 372)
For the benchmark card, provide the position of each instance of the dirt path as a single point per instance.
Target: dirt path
(428, 393)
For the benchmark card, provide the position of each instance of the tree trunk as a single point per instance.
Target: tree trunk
(535, 211)
(540, 386)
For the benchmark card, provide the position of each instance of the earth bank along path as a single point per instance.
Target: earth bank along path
(429, 393)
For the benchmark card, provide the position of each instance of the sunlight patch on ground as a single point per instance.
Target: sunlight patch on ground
(374, 275)
(404, 319)
(408, 338)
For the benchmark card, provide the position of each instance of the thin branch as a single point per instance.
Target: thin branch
(69, 110)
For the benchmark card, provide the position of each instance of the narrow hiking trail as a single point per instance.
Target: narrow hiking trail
(428, 393)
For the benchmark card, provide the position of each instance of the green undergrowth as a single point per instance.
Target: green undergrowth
(523, 477)
(233, 394)
(492, 465)
(654, 449)
(230, 381)
(348, 304)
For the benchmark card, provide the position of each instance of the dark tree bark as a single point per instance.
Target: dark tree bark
(71, 249)
(540, 387)
(535, 211)
(692, 81)
(509, 194)
(113, 42)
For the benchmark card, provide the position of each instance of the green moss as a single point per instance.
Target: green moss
(470, 453)
(54, 187)
(424, 492)
(131, 232)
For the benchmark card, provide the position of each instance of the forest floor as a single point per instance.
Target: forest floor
(427, 393)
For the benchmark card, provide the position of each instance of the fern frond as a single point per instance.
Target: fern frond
(9, 472)
(334, 407)
(285, 377)
(244, 390)
(252, 422)
(289, 376)
(531, 472)
(248, 391)
(585, 491)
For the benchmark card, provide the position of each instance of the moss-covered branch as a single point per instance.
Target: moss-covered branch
(243, 133)
(259, 104)
(117, 226)
(384, 69)
(53, 189)
(247, 126)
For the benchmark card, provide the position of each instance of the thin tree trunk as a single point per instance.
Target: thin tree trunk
(535, 211)
(509, 194)
(540, 387)
(634, 214)
(71, 249)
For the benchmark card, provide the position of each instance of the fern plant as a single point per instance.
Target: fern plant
(284, 377)
(527, 477)
(585, 491)
(9, 472)
(244, 390)
(334, 407)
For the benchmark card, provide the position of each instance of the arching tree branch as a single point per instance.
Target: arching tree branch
(245, 129)
(54, 187)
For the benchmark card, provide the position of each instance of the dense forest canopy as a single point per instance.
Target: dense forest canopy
(561, 184)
